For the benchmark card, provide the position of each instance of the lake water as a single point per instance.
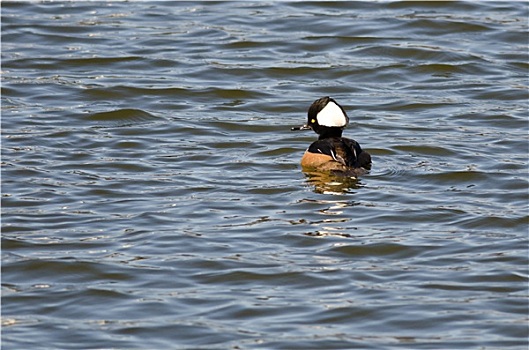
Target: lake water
(152, 196)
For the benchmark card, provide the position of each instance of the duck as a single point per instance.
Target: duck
(332, 152)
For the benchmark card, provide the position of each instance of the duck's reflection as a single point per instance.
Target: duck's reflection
(334, 216)
(332, 182)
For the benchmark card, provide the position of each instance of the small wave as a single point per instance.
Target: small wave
(121, 117)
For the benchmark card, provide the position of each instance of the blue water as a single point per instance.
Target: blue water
(152, 196)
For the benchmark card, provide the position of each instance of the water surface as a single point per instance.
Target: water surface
(152, 196)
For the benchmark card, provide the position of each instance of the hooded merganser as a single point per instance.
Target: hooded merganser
(332, 152)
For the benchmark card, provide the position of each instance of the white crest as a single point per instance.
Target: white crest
(331, 115)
